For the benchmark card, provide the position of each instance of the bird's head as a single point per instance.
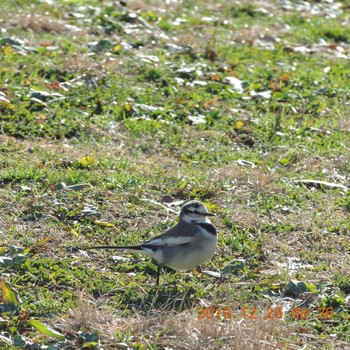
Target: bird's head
(195, 212)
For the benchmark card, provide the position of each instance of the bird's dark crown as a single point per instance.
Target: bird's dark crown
(194, 209)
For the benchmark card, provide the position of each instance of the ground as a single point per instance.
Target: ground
(114, 114)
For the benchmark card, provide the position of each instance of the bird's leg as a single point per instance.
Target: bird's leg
(159, 272)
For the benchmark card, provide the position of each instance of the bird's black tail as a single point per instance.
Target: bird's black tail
(131, 247)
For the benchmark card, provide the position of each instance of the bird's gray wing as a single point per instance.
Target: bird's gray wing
(181, 234)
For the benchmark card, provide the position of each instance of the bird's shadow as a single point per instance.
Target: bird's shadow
(167, 297)
(171, 294)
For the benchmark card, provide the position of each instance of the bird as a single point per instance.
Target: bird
(185, 246)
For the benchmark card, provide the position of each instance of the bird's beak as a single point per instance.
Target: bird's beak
(209, 214)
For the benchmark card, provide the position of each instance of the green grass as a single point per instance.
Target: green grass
(127, 85)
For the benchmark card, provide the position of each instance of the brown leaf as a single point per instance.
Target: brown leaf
(215, 77)
(23, 315)
(54, 86)
(274, 86)
(332, 46)
(211, 102)
(41, 118)
(45, 43)
(285, 77)
(211, 54)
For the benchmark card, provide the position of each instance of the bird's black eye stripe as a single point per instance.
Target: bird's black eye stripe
(193, 212)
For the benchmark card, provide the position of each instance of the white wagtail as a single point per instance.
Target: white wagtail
(188, 244)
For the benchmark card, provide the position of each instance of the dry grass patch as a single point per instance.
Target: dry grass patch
(32, 22)
(37, 23)
(177, 330)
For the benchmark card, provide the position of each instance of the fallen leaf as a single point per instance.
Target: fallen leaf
(183, 184)
(215, 77)
(23, 315)
(196, 119)
(4, 99)
(261, 94)
(99, 46)
(275, 86)
(75, 233)
(212, 274)
(117, 48)
(43, 241)
(238, 85)
(239, 124)
(295, 288)
(76, 211)
(41, 119)
(7, 50)
(211, 102)
(9, 296)
(77, 187)
(103, 223)
(285, 77)
(199, 82)
(319, 184)
(234, 266)
(148, 58)
(44, 329)
(127, 107)
(54, 86)
(87, 161)
(45, 43)
(19, 341)
(210, 54)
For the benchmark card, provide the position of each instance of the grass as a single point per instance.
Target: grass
(111, 117)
